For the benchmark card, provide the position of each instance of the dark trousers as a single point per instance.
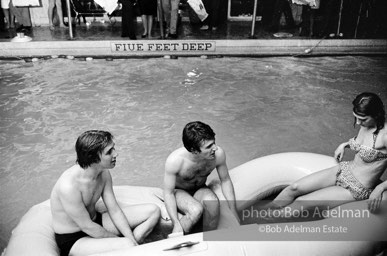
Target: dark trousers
(212, 8)
(128, 28)
(282, 6)
(2, 23)
(330, 17)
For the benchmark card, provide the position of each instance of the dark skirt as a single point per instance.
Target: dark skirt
(148, 7)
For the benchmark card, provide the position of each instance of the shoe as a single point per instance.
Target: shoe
(23, 28)
(144, 35)
(172, 36)
(204, 27)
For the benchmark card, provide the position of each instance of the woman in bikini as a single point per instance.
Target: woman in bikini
(358, 179)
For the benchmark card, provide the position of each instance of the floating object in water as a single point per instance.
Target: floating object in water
(204, 57)
(253, 182)
(109, 59)
(167, 56)
(34, 59)
(191, 74)
(308, 50)
(188, 82)
(70, 57)
(282, 35)
(54, 56)
(89, 58)
(21, 38)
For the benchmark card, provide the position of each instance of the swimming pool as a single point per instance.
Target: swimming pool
(257, 106)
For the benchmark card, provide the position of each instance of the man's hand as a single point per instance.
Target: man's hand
(237, 216)
(132, 241)
(177, 228)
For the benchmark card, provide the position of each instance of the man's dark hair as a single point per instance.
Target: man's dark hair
(89, 145)
(195, 133)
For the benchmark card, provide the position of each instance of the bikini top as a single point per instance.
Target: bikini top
(367, 154)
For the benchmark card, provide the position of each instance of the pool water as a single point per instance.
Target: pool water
(256, 106)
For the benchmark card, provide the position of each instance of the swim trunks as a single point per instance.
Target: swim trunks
(193, 191)
(66, 241)
(345, 179)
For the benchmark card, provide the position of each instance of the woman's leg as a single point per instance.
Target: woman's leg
(312, 205)
(59, 10)
(150, 25)
(51, 5)
(305, 185)
(145, 25)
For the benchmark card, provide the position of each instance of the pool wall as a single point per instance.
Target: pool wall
(156, 48)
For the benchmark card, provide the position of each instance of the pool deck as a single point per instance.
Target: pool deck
(102, 39)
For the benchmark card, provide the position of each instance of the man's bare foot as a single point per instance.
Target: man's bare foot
(52, 27)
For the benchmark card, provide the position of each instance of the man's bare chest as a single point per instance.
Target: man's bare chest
(198, 170)
(91, 193)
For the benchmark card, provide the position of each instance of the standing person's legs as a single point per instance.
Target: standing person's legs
(150, 25)
(174, 16)
(207, 22)
(166, 6)
(59, 11)
(128, 27)
(22, 14)
(215, 5)
(144, 19)
(287, 10)
(9, 17)
(276, 15)
(51, 5)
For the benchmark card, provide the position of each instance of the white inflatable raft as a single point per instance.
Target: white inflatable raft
(253, 181)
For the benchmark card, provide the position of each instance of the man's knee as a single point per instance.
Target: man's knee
(155, 211)
(211, 202)
(195, 212)
(152, 210)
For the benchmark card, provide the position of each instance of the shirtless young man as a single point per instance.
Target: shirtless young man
(186, 172)
(78, 226)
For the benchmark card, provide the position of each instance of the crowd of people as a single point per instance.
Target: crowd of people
(331, 18)
(80, 229)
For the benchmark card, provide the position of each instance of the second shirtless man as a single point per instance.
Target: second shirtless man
(186, 172)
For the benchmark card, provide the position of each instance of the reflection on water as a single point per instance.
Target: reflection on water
(256, 107)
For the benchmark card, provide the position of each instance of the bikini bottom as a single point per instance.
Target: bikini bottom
(345, 179)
